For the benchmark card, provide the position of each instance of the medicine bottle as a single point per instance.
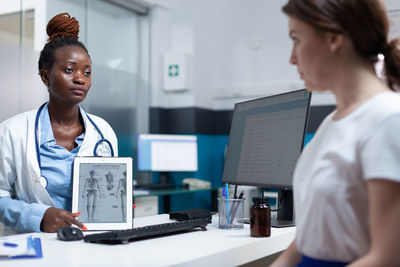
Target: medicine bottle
(260, 218)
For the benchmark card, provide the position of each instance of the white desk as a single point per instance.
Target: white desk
(213, 247)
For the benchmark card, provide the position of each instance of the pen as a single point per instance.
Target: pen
(235, 207)
(224, 197)
(11, 245)
(227, 201)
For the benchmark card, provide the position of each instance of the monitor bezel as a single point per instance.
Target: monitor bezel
(166, 170)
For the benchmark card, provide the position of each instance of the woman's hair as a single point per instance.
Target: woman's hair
(62, 31)
(364, 22)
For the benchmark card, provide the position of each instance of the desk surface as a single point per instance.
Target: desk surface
(214, 247)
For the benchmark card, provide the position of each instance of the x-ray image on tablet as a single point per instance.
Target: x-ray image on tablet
(102, 192)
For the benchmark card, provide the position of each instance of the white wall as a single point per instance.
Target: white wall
(392, 4)
(240, 50)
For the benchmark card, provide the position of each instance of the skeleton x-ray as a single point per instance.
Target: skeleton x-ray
(102, 193)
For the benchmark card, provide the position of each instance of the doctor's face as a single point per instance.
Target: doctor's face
(69, 79)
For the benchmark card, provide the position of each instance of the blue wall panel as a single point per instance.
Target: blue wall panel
(211, 156)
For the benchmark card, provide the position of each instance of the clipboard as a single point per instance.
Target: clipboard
(20, 248)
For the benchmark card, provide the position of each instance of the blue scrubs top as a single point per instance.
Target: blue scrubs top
(57, 163)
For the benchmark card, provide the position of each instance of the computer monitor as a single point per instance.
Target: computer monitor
(265, 141)
(167, 153)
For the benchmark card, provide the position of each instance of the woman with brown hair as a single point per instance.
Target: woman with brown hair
(38, 147)
(347, 180)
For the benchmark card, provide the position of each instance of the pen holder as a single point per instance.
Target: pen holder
(230, 212)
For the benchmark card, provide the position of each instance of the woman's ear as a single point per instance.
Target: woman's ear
(335, 41)
(44, 76)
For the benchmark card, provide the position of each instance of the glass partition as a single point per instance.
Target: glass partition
(113, 42)
(21, 85)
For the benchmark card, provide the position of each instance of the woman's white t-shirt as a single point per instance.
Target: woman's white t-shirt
(330, 190)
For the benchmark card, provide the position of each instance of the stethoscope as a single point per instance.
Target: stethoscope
(43, 180)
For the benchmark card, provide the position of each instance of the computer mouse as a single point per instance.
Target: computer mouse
(69, 233)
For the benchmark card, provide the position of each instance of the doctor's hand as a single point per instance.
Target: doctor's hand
(53, 219)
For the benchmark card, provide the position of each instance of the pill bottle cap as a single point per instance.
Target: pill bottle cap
(259, 200)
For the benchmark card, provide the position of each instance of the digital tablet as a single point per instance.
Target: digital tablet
(102, 192)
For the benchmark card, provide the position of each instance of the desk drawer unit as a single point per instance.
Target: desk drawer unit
(146, 206)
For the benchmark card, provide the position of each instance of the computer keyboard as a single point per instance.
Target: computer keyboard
(124, 236)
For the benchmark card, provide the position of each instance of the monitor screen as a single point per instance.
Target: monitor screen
(164, 153)
(266, 139)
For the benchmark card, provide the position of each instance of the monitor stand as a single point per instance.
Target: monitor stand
(285, 214)
(164, 178)
(164, 182)
(161, 185)
(281, 223)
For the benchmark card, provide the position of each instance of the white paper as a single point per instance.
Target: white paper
(24, 246)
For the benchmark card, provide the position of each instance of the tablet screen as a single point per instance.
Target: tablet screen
(102, 192)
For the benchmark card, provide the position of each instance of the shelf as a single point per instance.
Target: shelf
(170, 191)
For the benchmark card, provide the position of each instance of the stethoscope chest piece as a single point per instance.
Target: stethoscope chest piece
(43, 181)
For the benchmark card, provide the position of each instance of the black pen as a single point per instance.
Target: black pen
(235, 208)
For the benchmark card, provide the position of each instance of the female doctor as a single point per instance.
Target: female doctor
(38, 147)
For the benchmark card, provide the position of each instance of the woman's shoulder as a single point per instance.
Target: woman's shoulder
(389, 97)
(387, 104)
(381, 108)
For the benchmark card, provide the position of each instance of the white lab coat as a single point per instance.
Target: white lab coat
(19, 167)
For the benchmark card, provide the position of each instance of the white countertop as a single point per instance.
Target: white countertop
(214, 247)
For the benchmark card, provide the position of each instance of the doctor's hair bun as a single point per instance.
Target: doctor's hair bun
(63, 31)
(63, 25)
